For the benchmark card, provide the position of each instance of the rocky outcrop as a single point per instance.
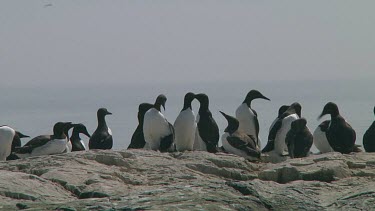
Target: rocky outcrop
(147, 180)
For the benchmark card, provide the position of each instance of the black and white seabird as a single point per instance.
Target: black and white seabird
(75, 139)
(279, 129)
(320, 137)
(158, 132)
(46, 144)
(369, 138)
(207, 133)
(340, 134)
(6, 138)
(138, 138)
(16, 143)
(248, 117)
(299, 139)
(102, 137)
(238, 142)
(185, 125)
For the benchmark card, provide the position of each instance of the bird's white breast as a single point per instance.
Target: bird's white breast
(83, 144)
(246, 118)
(54, 146)
(155, 127)
(6, 139)
(185, 127)
(280, 144)
(321, 141)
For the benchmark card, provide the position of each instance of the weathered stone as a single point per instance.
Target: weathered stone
(148, 180)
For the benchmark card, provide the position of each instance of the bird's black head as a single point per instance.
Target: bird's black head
(330, 108)
(297, 108)
(282, 109)
(254, 94)
(102, 112)
(80, 128)
(142, 109)
(299, 124)
(374, 110)
(60, 127)
(232, 123)
(160, 101)
(203, 100)
(189, 97)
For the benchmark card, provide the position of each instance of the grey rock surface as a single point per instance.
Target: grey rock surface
(148, 180)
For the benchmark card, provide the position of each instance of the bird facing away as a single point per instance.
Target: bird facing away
(369, 138)
(238, 142)
(299, 139)
(138, 139)
(279, 129)
(102, 137)
(340, 134)
(207, 133)
(75, 139)
(248, 117)
(158, 132)
(185, 125)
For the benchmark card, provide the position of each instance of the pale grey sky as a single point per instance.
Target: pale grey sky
(79, 42)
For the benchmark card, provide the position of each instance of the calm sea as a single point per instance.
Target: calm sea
(34, 110)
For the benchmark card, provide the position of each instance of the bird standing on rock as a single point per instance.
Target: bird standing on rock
(279, 129)
(248, 117)
(299, 139)
(158, 132)
(340, 134)
(207, 133)
(102, 137)
(369, 138)
(6, 138)
(185, 125)
(138, 138)
(75, 139)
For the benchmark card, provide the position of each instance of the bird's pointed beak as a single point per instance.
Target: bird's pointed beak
(266, 98)
(23, 135)
(87, 134)
(321, 115)
(163, 106)
(109, 113)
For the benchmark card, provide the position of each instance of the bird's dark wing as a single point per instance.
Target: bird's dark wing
(32, 144)
(101, 140)
(369, 139)
(256, 124)
(243, 143)
(273, 131)
(324, 125)
(209, 131)
(38, 141)
(138, 139)
(167, 141)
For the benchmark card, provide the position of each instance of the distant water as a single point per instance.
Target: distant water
(34, 110)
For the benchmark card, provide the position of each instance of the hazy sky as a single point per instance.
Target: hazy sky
(80, 42)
